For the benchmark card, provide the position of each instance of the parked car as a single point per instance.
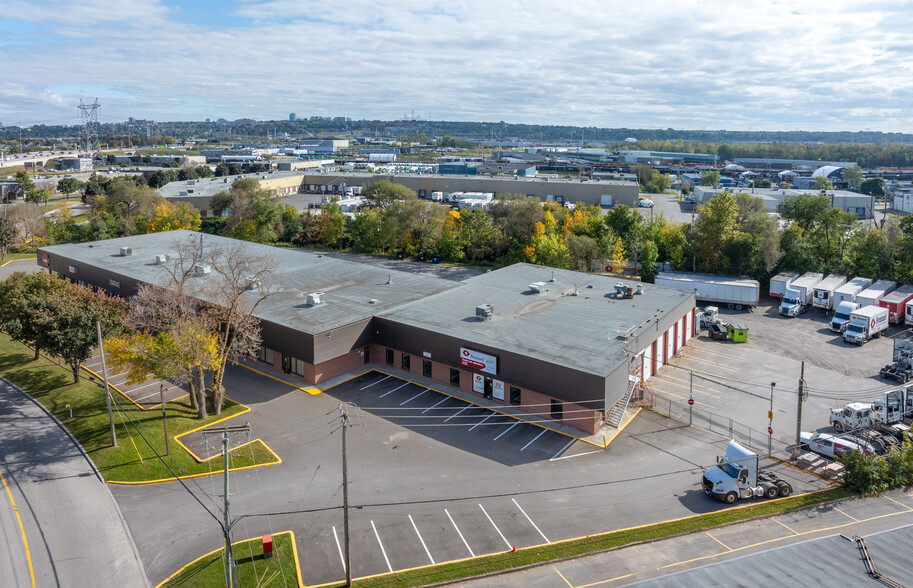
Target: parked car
(644, 202)
(830, 445)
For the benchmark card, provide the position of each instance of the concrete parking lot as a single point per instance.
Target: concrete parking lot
(733, 380)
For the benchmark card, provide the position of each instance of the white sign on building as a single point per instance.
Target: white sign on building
(478, 360)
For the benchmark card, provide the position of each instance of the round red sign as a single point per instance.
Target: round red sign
(770, 430)
(691, 401)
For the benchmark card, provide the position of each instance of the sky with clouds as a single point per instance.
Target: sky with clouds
(760, 65)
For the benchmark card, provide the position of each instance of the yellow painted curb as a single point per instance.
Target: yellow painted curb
(291, 535)
(311, 391)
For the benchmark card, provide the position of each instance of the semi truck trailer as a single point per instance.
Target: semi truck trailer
(872, 295)
(848, 291)
(824, 292)
(734, 292)
(896, 303)
(779, 282)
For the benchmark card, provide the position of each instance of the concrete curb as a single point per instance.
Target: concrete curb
(120, 515)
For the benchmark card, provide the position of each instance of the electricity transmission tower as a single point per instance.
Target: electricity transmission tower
(89, 115)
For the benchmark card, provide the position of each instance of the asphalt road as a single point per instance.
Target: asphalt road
(418, 496)
(651, 563)
(19, 265)
(71, 531)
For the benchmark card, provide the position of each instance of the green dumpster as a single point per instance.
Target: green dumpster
(737, 333)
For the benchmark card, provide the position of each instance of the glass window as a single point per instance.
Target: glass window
(454, 377)
(389, 356)
(296, 366)
(514, 395)
(405, 362)
(557, 409)
(264, 354)
(426, 368)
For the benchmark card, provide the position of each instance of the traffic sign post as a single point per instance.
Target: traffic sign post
(691, 401)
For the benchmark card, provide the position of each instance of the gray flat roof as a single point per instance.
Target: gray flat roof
(349, 286)
(554, 326)
(208, 187)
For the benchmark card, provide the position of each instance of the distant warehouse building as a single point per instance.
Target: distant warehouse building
(551, 342)
(851, 202)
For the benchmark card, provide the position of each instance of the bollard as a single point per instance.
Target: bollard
(267, 546)
(71, 411)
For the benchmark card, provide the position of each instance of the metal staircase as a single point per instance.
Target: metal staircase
(613, 418)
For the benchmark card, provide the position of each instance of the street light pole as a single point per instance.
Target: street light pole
(104, 373)
(164, 420)
(770, 419)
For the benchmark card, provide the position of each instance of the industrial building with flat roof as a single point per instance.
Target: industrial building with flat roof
(557, 342)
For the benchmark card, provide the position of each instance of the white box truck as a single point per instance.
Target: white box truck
(734, 292)
(848, 291)
(865, 323)
(779, 282)
(824, 292)
(737, 475)
(841, 316)
(908, 315)
(799, 294)
(872, 295)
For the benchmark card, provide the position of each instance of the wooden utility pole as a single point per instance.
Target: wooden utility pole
(345, 493)
(104, 372)
(801, 398)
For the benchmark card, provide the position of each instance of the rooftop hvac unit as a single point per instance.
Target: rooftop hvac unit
(315, 298)
(201, 269)
(640, 289)
(125, 251)
(484, 311)
(538, 287)
(163, 258)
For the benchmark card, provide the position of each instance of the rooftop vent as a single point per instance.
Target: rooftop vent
(640, 289)
(201, 269)
(484, 311)
(372, 301)
(553, 277)
(315, 298)
(162, 258)
(125, 251)
(538, 287)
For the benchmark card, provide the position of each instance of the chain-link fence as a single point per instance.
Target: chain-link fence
(698, 417)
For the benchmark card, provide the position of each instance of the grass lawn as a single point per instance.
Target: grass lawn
(132, 460)
(252, 568)
(595, 543)
(16, 256)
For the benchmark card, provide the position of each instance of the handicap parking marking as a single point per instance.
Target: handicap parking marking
(394, 390)
(468, 548)
(506, 542)
(377, 382)
(531, 520)
(414, 526)
(382, 550)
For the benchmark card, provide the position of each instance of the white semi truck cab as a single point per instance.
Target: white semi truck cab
(791, 304)
(736, 476)
(841, 316)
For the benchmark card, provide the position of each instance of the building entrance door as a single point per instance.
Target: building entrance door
(489, 388)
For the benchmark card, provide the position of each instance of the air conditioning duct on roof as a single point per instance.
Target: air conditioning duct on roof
(315, 298)
(538, 287)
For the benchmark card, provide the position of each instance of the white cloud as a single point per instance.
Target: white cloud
(689, 64)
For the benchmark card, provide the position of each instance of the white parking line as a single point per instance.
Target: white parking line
(562, 450)
(394, 390)
(509, 546)
(577, 455)
(377, 382)
(420, 539)
(482, 421)
(534, 438)
(441, 402)
(459, 533)
(506, 431)
(453, 415)
(382, 550)
(530, 520)
(156, 393)
(153, 383)
(339, 547)
(414, 397)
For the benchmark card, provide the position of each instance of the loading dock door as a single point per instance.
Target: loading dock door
(669, 343)
(660, 344)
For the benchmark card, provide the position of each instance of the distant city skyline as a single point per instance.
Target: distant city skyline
(816, 66)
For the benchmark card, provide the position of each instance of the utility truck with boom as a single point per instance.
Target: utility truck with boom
(737, 475)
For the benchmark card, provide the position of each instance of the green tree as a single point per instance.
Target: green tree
(551, 250)
(369, 232)
(822, 183)
(384, 193)
(873, 187)
(853, 176)
(332, 225)
(710, 178)
(21, 294)
(804, 209)
(481, 236)
(26, 185)
(417, 224)
(714, 226)
(517, 216)
(9, 235)
(69, 185)
(647, 257)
